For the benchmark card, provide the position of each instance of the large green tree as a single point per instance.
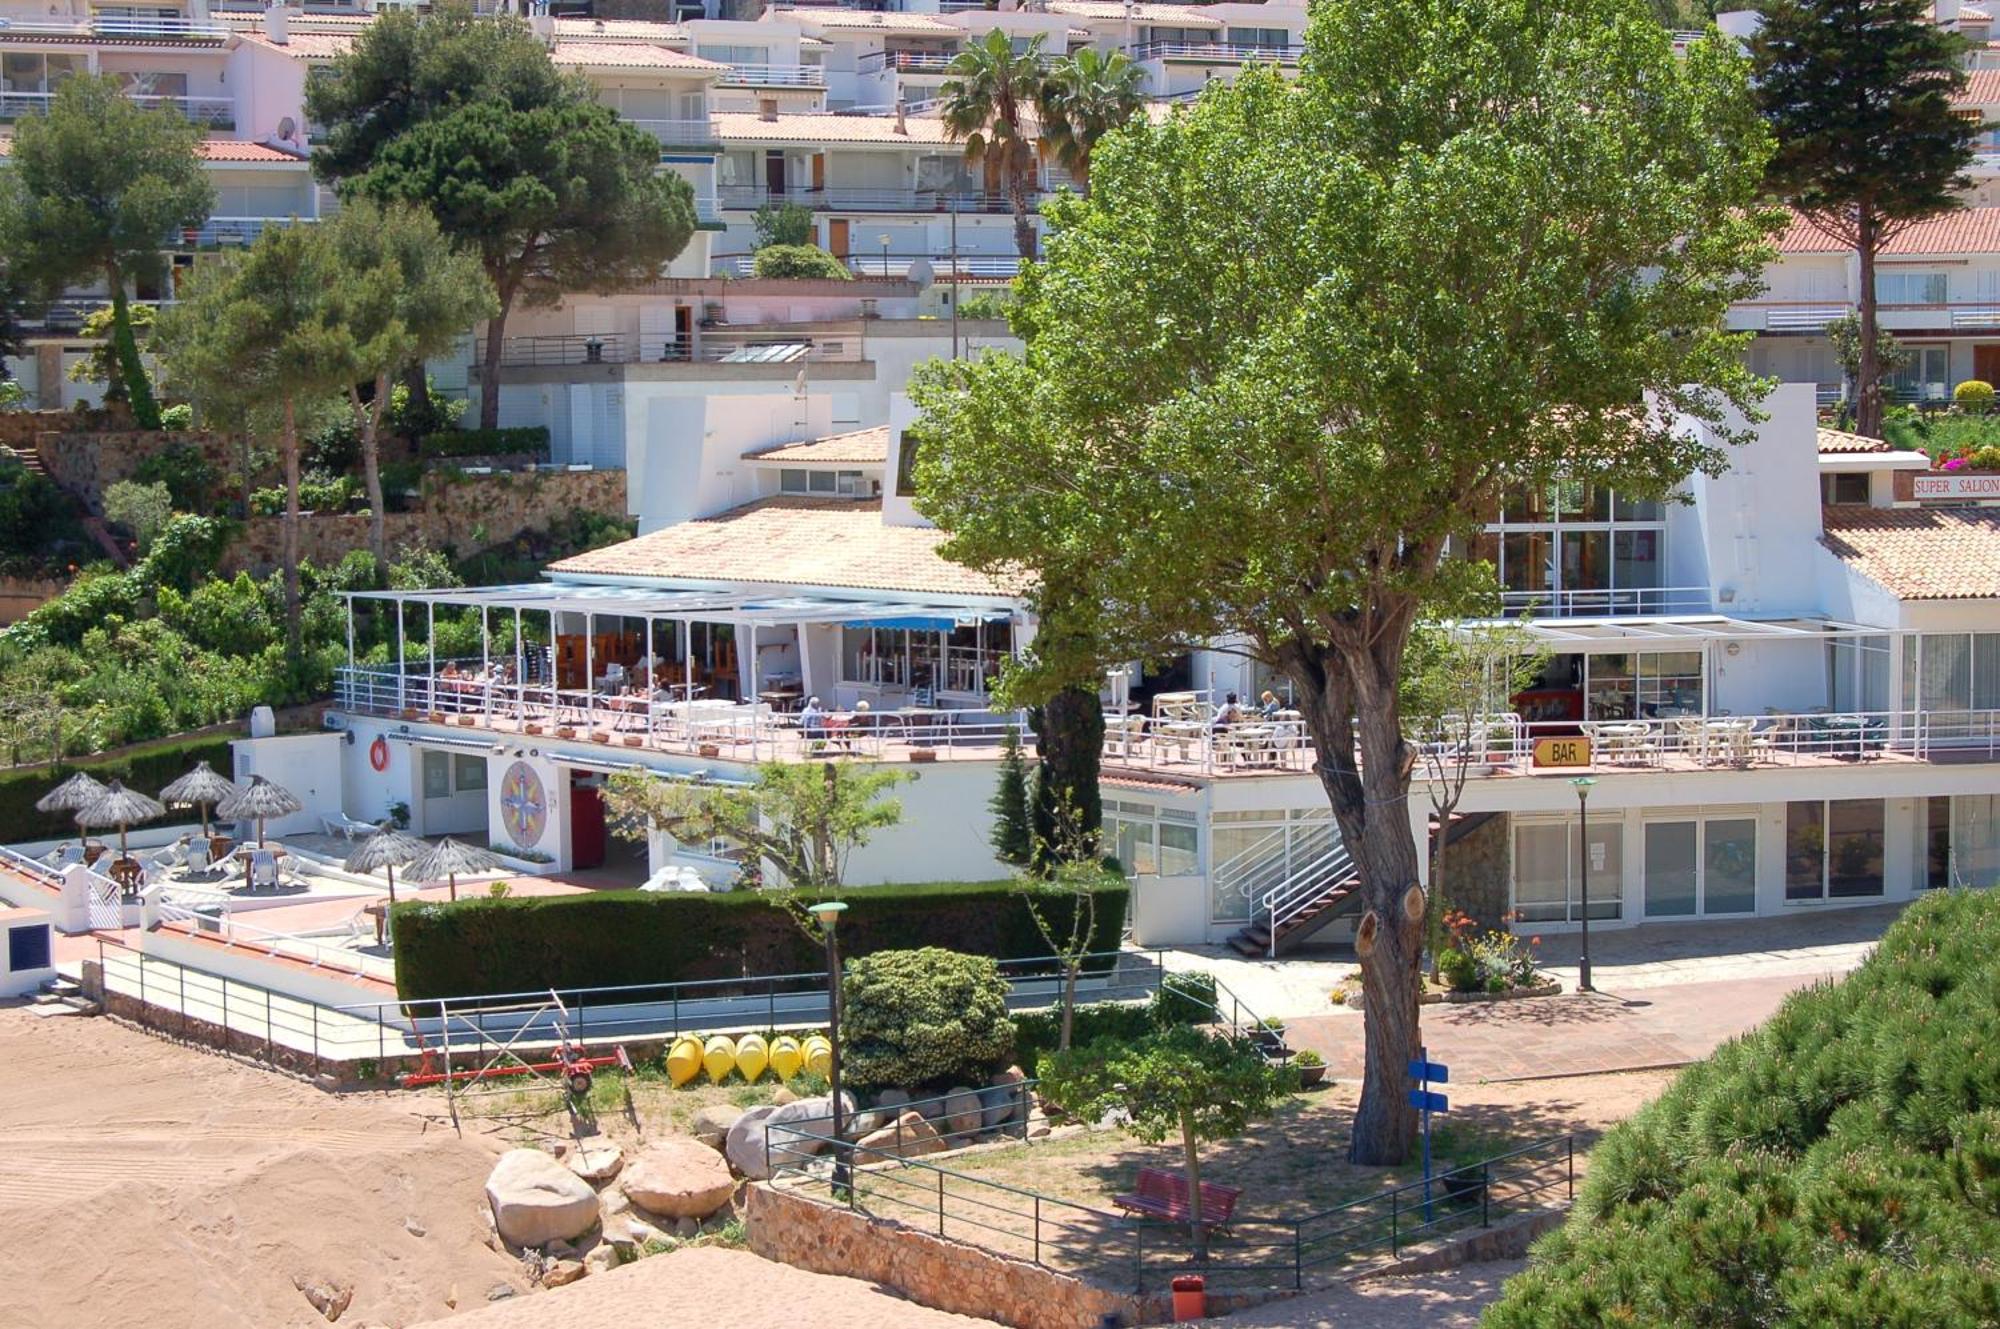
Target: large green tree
(97, 186)
(427, 295)
(1301, 335)
(469, 118)
(260, 341)
(1859, 94)
(989, 101)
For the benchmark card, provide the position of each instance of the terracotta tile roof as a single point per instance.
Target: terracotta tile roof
(811, 127)
(630, 55)
(1179, 16)
(793, 541)
(215, 150)
(1968, 231)
(306, 45)
(1919, 553)
(851, 20)
(619, 30)
(862, 447)
(1145, 782)
(1982, 88)
(1839, 440)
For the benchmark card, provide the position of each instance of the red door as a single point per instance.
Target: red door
(586, 825)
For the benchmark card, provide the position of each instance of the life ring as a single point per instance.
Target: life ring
(378, 753)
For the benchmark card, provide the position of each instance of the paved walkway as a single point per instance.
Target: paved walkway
(1448, 1299)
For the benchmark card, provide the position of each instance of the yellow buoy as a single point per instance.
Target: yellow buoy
(786, 1057)
(819, 1054)
(719, 1058)
(752, 1056)
(684, 1059)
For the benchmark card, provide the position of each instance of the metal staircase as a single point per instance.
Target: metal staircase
(1294, 889)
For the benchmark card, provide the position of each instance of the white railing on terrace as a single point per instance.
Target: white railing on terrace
(219, 232)
(214, 112)
(32, 868)
(1977, 316)
(776, 76)
(325, 950)
(707, 347)
(749, 731)
(1798, 317)
(907, 62)
(1584, 603)
(1216, 52)
(943, 266)
(873, 200)
(117, 26)
(685, 131)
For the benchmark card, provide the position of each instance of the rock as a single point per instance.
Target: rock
(601, 1258)
(687, 1229)
(641, 1232)
(1038, 1124)
(745, 1146)
(597, 1161)
(451, 1298)
(712, 1123)
(678, 1177)
(910, 1136)
(536, 1200)
(327, 1296)
(414, 1228)
(1003, 1099)
(893, 1098)
(562, 1273)
(327, 1084)
(784, 1095)
(559, 1250)
(865, 1123)
(500, 1292)
(964, 1115)
(556, 1148)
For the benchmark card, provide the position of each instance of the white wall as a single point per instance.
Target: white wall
(1758, 523)
(554, 839)
(943, 835)
(307, 764)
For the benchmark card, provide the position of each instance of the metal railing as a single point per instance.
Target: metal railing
(843, 199)
(213, 112)
(943, 266)
(703, 346)
(932, 62)
(117, 26)
(681, 131)
(1216, 52)
(224, 232)
(1588, 602)
(32, 868)
(775, 76)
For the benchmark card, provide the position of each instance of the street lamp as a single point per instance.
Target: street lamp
(828, 913)
(1583, 785)
(885, 254)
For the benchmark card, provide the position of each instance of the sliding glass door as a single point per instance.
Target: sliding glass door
(1701, 867)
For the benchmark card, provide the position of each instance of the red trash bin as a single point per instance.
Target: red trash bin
(1190, 1298)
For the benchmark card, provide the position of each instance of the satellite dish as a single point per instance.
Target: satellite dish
(921, 272)
(286, 128)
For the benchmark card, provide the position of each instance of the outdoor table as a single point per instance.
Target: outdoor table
(1731, 736)
(1840, 728)
(1625, 740)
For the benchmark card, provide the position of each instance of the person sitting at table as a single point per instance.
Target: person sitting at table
(1268, 705)
(812, 723)
(1231, 713)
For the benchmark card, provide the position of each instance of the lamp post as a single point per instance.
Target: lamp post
(828, 913)
(1583, 785)
(885, 254)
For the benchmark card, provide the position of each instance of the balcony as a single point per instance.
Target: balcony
(209, 112)
(1607, 603)
(774, 76)
(229, 232)
(895, 267)
(751, 197)
(688, 132)
(906, 62)
(1216, 53)
(122, 26)
(704, 347)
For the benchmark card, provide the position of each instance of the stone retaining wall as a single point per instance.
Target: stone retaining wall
(86, 463)
(1476, 870)
(21, 596)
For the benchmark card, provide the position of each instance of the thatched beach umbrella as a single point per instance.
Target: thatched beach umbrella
(120, 807)
(447, 858)
(72, 795)
(387, 849)
(260, 802)
(201, 787)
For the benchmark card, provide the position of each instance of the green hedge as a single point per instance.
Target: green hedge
(615, 938)
(1838, 1166)
(147, 768)
(487, 442)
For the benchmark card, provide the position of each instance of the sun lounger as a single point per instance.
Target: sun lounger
(344, 826)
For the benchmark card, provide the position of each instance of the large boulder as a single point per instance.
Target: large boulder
(678, 1177)
(964, 1115)
(1003, 1099)
(909, 1136)
(537, 1200)
(712, 1123)
(745, 1146)
(599, 1160)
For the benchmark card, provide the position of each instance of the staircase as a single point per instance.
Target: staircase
(28, 460)
(62, 996)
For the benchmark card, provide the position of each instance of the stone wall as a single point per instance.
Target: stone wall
(1476, 871)
(86, 463)
(21, 596)
(463, 513)
(931, 1271)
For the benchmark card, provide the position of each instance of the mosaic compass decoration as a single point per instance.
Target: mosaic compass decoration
(524, 807)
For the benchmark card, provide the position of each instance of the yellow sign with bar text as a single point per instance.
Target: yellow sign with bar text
(1573, 750)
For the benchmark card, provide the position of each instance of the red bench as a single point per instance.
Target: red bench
(1162, 1194)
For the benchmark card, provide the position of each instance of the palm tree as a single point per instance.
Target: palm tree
(986, 103)
(1086, 96)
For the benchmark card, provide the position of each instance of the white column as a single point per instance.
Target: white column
(485, 659)
(402, 667)
(520, 671)
(646, 684)
(589, 673)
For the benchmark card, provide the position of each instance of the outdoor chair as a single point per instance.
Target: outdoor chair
(263, 870)
(1164, 1195)
(344, 826)
(171, 856)
(68, 854)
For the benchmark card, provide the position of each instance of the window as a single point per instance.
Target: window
(1927, 376)
(1910, 288)
(1573, 547)
(1975, 840)
(468, 773)
(28, 948)
(1833, 849)
(1180, 845)
(1701, 866)
(1851, 487)
(906, 464)
(1857, 673)
(734, 55)
(1275, 37)
(1549, 865)
(1958, 671)
(437, 775)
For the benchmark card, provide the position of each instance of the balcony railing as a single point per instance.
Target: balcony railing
(906, 62)
(1586, 603)
(893, 266)
(212, 112)
(685, 132)
(121, 25)
(775, 76)
(225, 232)
(872, 200)
(1216, 52)
(706, 347)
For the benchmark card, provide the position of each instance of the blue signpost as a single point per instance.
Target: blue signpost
(1426, 1073)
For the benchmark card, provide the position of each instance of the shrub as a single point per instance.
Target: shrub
(1036, 1033)
(607, 938)
(179, 416)
(183, 468)
(1834, 1167)
(923, 1018)
(1183, 998)
(799, 261)
(142, 509)
(529, 440)
(788, 224)
(147, 768)
(1973, 396)
(32, 509)
(1459, 970)
(317, 493)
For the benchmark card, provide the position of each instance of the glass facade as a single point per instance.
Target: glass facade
(1701, 866)
(1577, 548)
(1833, 849)
(1549, 865)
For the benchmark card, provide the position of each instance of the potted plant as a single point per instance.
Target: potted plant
(1270, 1036)
(400, 814)
(1312, 1068)
(1465, 1186)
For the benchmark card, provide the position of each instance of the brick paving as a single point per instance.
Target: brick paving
(1571, 1034)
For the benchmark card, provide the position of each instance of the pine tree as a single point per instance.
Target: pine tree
(1012, 841)
(1859, 96)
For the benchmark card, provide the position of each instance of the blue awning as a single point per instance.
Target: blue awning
(912, 624)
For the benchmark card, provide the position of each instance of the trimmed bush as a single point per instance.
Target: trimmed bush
(147, 768)
(928, 1018)
(528, 440)
(1838, 1166)
(798, 261)
(1973, 396)
(1184, 998)
(614, 938)
(1178, 1002)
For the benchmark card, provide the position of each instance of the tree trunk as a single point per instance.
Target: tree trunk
(1868, 405)
(418, 383)
(371, 472)
(1017, 194)
(489, 365)
(125, 347)
(1435, 902)
(1191, 1154)
(1069, 1005)
(1068, 811)
(289, 441)
(1342, 687)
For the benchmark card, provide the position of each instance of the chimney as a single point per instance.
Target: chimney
(902, 113)
(276, 26)
(767, 108)
(542, 24)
